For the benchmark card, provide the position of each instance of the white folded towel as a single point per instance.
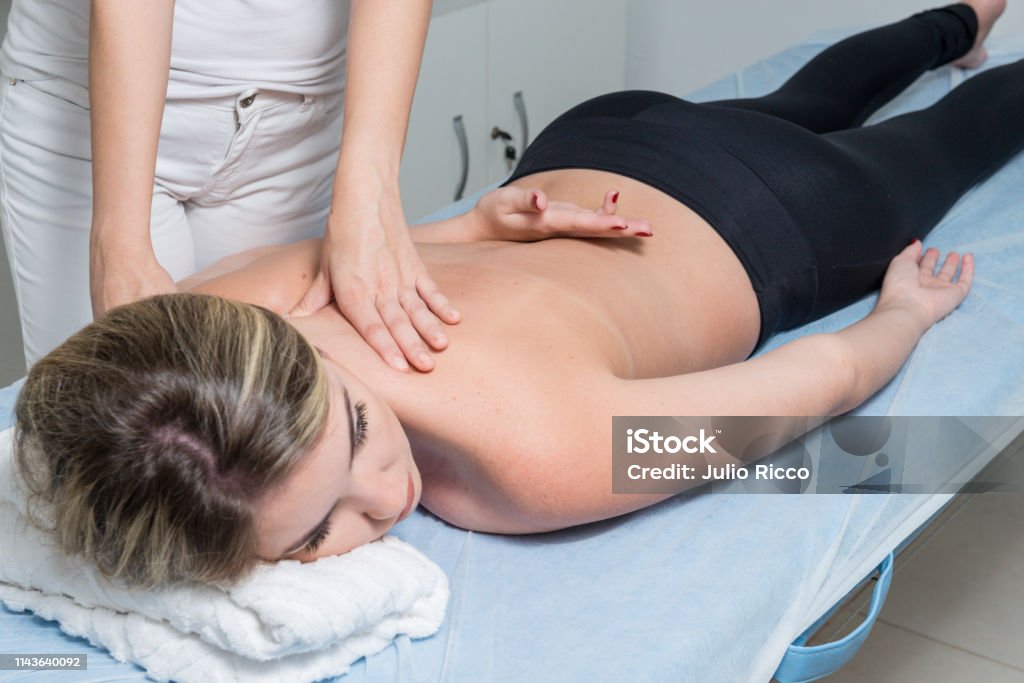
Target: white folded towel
(312, 620)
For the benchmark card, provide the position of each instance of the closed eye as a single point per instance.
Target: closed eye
(318, 537)
(360, 423)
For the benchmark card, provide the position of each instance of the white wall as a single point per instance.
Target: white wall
(680, 45)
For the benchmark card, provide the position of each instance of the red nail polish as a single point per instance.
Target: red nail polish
(536, 202)
(615, 197)
(645, 234)
(618, 227)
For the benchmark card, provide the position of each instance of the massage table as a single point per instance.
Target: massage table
(718, 585)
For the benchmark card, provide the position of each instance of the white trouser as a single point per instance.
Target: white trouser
(232, 173)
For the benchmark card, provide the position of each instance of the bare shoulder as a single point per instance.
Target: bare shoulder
(274, 277)
(510, 462)
(545, 461)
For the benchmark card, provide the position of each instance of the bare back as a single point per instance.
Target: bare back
(538, 321)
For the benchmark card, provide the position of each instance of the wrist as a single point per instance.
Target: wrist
(915, 315)
(368, 173)
(124, 224)
(120, 245)
(367, 193)
(472, 226)
(476, 226)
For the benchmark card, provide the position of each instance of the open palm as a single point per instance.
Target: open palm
(911, 280)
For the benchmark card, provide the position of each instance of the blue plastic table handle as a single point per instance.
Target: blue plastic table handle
(803, 664)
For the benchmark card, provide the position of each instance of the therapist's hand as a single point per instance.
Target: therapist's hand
(519, 214)
(374, 273)
(118, 277)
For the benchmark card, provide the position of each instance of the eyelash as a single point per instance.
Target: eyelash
(321, 534)
(360, 423)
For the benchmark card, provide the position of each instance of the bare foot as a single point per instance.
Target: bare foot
(988, 11)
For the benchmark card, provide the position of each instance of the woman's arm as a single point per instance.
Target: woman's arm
(369, 265)
(465, 227)
(386, 39)
(820, 374)
(276, 276)
(129, 60)
(802, 383)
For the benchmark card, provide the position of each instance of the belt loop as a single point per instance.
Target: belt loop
(307, 100)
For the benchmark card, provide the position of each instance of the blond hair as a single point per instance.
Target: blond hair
(149, 435)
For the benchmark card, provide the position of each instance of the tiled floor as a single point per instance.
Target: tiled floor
(955, 610)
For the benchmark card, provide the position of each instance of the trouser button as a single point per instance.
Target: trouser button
(247, 102)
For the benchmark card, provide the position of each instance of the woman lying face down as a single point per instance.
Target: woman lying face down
(189, 436)
(192, 436)
(353, 485)
(195, 435)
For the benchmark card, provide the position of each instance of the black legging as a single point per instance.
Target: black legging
(921, 163)
(815, 211)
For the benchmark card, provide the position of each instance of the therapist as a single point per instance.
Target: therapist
(215, 127)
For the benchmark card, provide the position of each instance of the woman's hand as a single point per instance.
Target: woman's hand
(911, 282)
(369, 265)
(120, 278)
(372, 270)
(520, 215)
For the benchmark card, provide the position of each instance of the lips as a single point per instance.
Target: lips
(408, 501)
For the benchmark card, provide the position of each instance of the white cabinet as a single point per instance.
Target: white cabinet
(453, 82)
(556, 53)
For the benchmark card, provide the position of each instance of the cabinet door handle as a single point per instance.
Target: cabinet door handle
(460, 134)
(524, 122)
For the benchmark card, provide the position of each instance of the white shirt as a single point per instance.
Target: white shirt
(219, 47)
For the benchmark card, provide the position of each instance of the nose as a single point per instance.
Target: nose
(384, 499)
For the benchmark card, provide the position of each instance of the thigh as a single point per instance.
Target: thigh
(46, 203)
(275, 188)
(853, 218)
(913, 168)
(847, 214)
(46, 200)
(171, 235)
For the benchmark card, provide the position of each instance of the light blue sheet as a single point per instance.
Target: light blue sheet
(710, 587)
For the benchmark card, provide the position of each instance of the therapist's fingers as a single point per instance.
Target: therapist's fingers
(426, 324)
(316, 297)
(437, 302)
(401, 330)
(365, 317)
